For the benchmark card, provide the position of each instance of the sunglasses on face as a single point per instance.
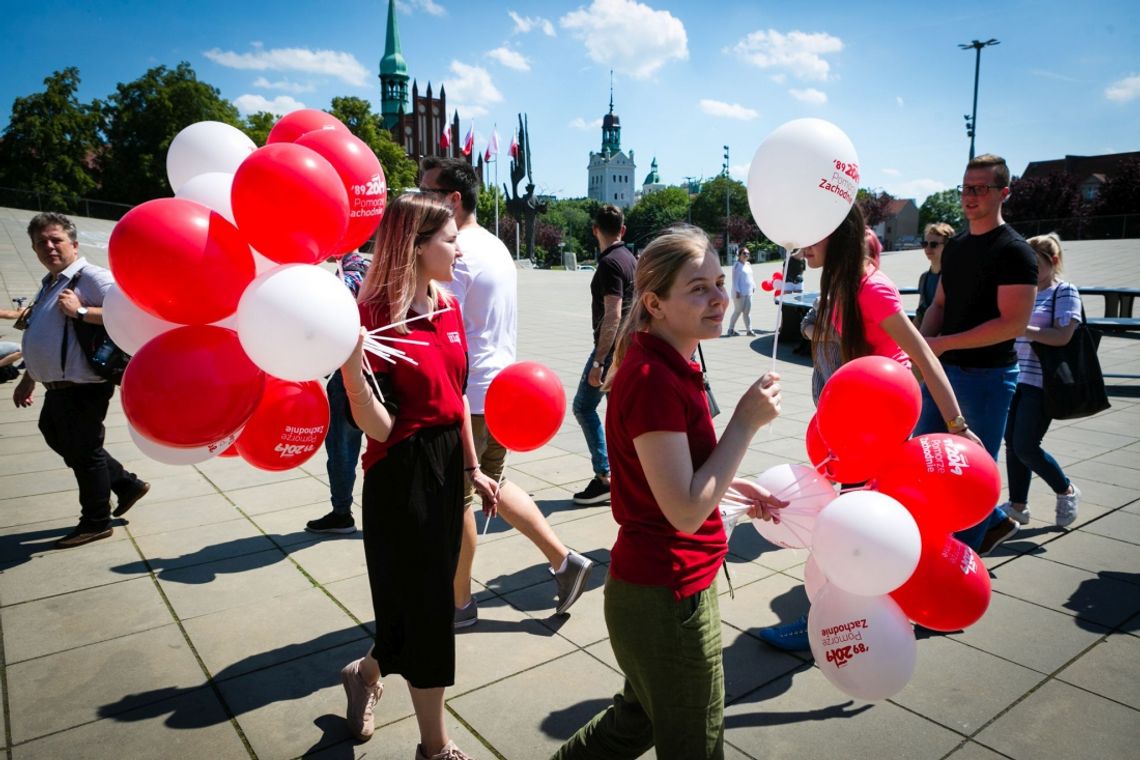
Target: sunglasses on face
(977, 190)
(932, 244)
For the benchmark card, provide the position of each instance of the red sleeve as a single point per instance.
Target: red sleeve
(662, 410)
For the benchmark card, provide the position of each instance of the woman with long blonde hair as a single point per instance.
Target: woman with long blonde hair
(419, 450)
(669, 476)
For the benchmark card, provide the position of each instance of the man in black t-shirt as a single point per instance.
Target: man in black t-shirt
(983, 302)
(611, 292)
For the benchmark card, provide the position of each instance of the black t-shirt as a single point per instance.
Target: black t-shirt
(614, 277)
(973, 268)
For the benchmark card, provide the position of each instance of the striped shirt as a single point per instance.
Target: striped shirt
(1047, 314)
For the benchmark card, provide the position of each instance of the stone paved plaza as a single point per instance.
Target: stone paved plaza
(212, 626)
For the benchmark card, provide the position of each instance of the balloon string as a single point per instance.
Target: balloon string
(502, 477)
(409, 319)
(390, 339)
(375, 382)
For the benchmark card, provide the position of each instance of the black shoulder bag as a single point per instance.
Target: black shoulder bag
(1071, 374)
(107, 360)
(714, 408)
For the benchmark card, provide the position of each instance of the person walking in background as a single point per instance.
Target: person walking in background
(743, 286)
(419, 452)
(982, 303)
(486, 286)
(342, 444)
(670, 473)
(935, 237)
(1056, 313)
(77, 399)
(611, 291)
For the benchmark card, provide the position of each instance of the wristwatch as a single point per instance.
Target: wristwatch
(956, 425)
(81, 312)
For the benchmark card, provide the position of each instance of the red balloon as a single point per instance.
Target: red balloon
(869, 404)
(947, 482)
(191, 386)
(180, 261)
(288, 426)
(292, 125)
(950, 588)
(525, 406)
(852, 468)
(777, 275)
(290, 204)
(363, 179)
(231, 451)
(766, 285)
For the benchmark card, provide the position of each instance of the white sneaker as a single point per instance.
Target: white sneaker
(1021, 516)
(1067, 506)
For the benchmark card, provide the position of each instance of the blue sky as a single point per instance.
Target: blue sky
(689, 77)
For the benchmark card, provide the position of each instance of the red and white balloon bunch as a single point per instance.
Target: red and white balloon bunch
(218, 297)
(881, 556)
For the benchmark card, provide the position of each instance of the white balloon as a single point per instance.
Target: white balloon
(128, 324)
(864, 645)
(212, 190)
(814, 579)
(807, 493)
(206, 146)
(802, 182)
(298, 322)
(178, 455)
(866, 543)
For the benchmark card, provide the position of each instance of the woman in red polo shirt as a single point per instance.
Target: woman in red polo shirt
(419, 451)
(669, 475)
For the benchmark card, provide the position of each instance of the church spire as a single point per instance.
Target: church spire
(611, 126)
(393, 73)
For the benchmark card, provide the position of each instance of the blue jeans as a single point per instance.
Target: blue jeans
(586, 402)
(342, 445)
(984, 395)
(1024, 456)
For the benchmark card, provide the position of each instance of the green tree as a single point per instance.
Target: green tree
(655, 212)
(142, 118)
(873, 204)
(575, 217)
(945, 206)
(356, 113)
(51, 143)
(257, 126)
(708, 206)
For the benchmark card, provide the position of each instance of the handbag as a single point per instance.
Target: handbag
(107, 360)
(714, 407)
(1070, 374)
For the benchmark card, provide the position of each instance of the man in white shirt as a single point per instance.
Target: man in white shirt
(743, 286)
(486, 285)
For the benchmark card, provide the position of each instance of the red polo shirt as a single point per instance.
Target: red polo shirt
(430, 392)
(656, 389)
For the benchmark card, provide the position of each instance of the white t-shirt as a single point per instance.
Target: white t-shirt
(1045, 314)
(486, 286)
(743, 283)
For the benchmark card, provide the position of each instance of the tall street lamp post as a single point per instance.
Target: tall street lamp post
(972, 121)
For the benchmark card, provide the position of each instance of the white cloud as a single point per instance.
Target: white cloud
(809, 95)
(892, 172)
(512, 59)
(740, 171)
(284, 85)
(579, 123)
(727, 110)
(899, 101)
(779, 78)
(916, 188)
(471, 90)
(799, 52)
(524, 24)
(1123, 90)
(427, 6)
(1046, 74)
(279, 106)
(628, 36)
(343, 66)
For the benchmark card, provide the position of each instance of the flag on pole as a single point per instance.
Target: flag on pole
(445, 139)
(492, 146)
(469, 141)
(514, 149)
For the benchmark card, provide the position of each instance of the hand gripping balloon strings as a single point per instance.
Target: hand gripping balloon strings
(502, 477)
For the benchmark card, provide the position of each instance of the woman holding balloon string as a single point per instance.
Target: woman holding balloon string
(419, 451)
(669, 476)
(854, 291)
